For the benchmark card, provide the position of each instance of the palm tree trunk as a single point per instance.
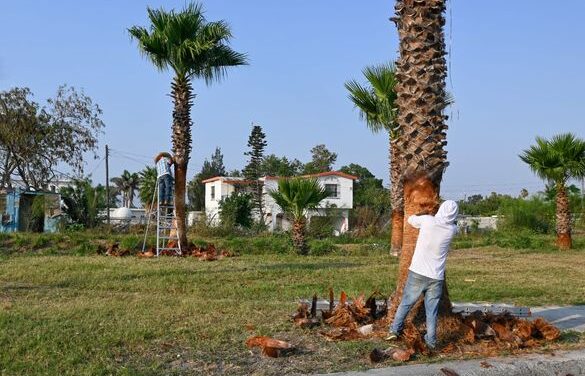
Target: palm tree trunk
(420, 74)
(182, 98)
(298, 236)
(396, 198)
(563, 215)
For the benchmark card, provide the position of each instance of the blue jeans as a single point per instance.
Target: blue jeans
(165, 188)
(416, 285)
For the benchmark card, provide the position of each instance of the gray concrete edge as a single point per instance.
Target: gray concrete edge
(562, 363)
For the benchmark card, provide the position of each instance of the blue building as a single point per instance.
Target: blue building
(29, 210)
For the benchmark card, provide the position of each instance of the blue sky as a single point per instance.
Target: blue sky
(516, 71)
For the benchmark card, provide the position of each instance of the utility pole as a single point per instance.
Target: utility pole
(107, 186)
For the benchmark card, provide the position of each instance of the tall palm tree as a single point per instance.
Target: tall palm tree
(193, 48)
(421, 98)
(377, 106)
(126, 184)
(557, 160)
(295, 197)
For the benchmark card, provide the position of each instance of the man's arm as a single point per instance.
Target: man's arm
(415, 221)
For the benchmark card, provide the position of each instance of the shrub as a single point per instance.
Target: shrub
(39, 241)
(236, 210)
(319, 247)
(534, 214)
(321, 227)
(131, 242)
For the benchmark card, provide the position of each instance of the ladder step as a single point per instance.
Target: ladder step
(168, 237)
(169, 249)
(167, 228)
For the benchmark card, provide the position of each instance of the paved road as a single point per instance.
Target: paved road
(560, 364)
(565, 318)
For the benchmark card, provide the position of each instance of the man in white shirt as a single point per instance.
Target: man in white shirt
(165, 178)
(427, 269)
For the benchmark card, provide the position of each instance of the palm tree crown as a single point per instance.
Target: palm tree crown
(126, 184)
(557, 159)
(187, 43)
(297, 195)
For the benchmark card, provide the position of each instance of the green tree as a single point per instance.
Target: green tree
(322, 160)
(83, 201)
(236, 210)
(376, 103)
(275, 166)
(253, 170)
(209, 169)
(147, 186)
(35, 139)
(366, 187)
(557, 160)
(193, 48)
(126, 184)
(296, 196)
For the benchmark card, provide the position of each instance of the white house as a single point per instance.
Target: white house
(337, 205)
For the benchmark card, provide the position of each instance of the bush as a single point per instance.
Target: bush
(40, 241)
(535, 215)
(236, 210)
(321, 247)
(131, 242)
(321, 227)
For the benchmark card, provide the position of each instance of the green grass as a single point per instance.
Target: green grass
(97, 315)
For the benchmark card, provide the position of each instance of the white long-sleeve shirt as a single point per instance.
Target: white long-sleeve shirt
(434, 239)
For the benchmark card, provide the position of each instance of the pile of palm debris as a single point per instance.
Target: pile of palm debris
(476, 334)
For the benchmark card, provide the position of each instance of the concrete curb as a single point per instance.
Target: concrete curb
(562, 363)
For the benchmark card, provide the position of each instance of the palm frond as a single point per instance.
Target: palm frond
(187, 43)
(376, 102)
(297, 195)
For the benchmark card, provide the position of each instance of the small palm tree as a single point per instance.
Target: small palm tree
(147, 186)
(186, 43)
(377, 106)
(126, 184)
(295, 197)
(557, 160)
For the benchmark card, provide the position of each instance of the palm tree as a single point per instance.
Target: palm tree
(295, 197)
(377, 106)
(126, 184)
(557, 160)
(147, 186)
(193, 48)
(421, 98)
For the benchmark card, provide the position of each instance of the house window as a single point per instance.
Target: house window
(212, 193)
(332, 190)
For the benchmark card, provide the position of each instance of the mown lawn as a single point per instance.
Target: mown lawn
(98, 315)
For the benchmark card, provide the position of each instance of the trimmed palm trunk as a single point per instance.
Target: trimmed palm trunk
(563, 216)
(396, 198)
(420, 72)
(298, 236)
(182, 98)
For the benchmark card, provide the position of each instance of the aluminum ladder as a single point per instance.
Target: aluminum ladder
(166, 227)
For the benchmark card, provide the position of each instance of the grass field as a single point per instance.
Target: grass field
(98, 315)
